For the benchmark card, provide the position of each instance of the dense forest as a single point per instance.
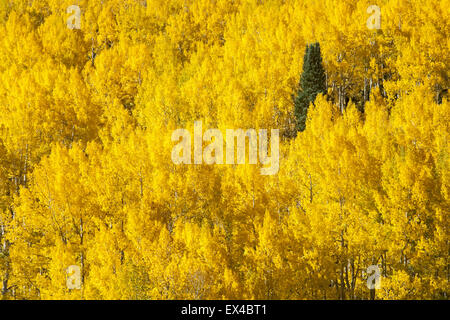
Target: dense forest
(91, 91)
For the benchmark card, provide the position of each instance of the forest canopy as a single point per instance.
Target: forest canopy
(88, 106)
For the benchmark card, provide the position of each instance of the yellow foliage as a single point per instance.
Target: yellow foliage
(87, 180)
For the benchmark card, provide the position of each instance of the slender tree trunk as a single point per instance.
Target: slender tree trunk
(6, 276)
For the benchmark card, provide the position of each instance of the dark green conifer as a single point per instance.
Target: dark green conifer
(312, 82)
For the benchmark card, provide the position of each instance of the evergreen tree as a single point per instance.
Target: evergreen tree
(312, 82)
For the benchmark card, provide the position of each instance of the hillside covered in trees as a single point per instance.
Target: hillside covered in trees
(88, 107)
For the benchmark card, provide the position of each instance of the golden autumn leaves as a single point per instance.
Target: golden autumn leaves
(87, 179)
